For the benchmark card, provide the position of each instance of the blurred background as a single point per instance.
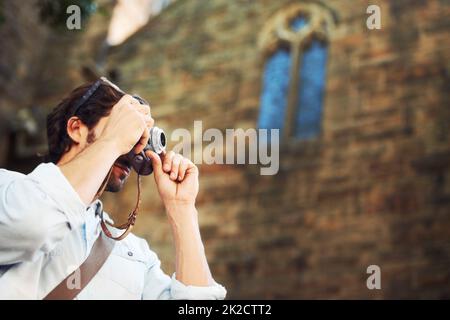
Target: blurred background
(364, 173)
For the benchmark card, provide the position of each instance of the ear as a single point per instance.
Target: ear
(77, 130)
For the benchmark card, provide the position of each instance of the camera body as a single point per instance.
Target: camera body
(156, 143)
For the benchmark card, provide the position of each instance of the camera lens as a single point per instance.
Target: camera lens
(157, 141)
(163, 139)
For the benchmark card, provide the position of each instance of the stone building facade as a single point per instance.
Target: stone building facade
(373, 188)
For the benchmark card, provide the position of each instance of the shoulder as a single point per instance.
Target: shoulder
(8, 175)
(17, 184)
(45, 169)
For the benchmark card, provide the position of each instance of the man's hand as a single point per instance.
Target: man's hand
(128, 124)
(176, 178)
(177, 181)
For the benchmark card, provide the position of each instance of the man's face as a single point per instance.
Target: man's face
(120, 173)
(121, 168)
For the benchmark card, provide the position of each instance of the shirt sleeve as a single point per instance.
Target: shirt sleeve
(36, 212)
(159, 285)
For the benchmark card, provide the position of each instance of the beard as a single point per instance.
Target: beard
(121, 170)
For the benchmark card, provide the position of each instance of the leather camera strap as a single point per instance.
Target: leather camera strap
(127, 226)
(100, 251)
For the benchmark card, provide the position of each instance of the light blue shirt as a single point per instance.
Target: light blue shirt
(46, 232)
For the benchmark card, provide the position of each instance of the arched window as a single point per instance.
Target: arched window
(274, 90)
(294, 76)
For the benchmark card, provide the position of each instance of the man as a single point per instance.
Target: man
(49, 219)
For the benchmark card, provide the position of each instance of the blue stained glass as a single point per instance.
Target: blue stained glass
(311, 90)
(298, 24)
(274, 91)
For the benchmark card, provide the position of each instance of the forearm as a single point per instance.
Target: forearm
(87, 170)
(191, 264)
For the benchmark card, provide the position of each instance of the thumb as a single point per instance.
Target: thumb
(156, 162)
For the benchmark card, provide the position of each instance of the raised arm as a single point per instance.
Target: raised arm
(177, 181)
(127, 124)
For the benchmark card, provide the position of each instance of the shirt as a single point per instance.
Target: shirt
(46, 233)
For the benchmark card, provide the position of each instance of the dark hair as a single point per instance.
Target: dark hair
(99, 105)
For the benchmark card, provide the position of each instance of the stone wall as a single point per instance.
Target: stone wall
(374, 188)
(39, 64)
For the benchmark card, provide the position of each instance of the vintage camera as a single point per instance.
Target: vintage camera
(140, 162)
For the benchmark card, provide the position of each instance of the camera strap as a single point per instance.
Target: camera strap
(100, 252)
(131, 217)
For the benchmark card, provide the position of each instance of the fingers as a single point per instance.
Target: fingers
(143, 109)
(142, 141)
(149, 121)
(128, 124)
(177, 166)
(192, 169)
(156, 162)
(182, 169)
(129, 100)
(126, 99)
(167, 163)
(176, 161)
